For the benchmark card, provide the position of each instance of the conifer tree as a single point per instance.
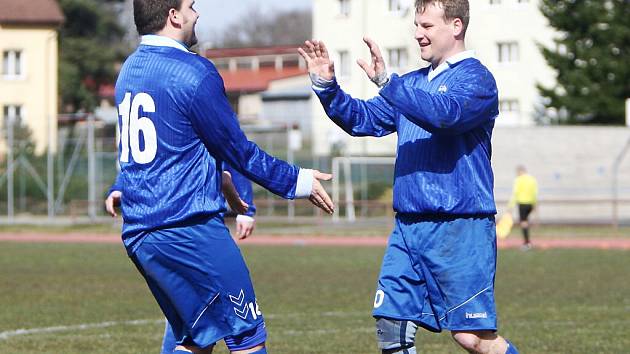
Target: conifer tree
(591, 59)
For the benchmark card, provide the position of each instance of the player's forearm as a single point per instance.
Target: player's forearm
(357, 117)
(218, 128)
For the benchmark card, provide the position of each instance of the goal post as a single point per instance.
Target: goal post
(345, 163)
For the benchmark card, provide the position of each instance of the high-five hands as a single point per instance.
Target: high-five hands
(320, 66)
(317, 60)
(375, 71)
(319, 197)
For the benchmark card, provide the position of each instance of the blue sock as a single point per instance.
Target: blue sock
(168, 342)
(511, 348)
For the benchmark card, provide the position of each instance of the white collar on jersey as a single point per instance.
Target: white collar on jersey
(450, 61)
(162, 41)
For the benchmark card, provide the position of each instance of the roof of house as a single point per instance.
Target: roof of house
(249, 52)
(247, 80)
(30, 12)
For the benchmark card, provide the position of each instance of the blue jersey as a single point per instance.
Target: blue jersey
(176, 130)
(243, 187)
(444, 128)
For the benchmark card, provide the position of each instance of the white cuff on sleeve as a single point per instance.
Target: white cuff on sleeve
(244, 218)
(304, 183)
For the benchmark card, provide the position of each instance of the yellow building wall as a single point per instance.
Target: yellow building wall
(36, 90)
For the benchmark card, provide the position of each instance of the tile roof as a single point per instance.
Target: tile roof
(216, 53)
(247, 80)
(31, 12)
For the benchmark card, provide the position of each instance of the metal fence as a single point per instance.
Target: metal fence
(71, 180)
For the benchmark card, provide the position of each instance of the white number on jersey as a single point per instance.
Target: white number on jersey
(132, 126)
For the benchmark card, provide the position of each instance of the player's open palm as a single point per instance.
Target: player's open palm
(377, 65)
(319, 197)
(317, 59)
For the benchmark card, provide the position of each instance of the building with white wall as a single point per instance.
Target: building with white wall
(504, 34)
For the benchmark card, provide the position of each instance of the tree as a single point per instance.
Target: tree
(591, 61)
(258, 29)
(91, 47)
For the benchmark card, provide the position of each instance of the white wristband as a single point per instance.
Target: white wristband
(304, 185)
(244, 218)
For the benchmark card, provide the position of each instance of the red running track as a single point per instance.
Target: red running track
(547, 243)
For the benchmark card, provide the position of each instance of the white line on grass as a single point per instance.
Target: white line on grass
(20, 332)
(80, 327)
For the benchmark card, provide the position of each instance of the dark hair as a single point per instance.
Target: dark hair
(150, 15)
(452, 9)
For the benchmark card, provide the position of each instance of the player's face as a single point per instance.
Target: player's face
(190, 17)
(434, 34)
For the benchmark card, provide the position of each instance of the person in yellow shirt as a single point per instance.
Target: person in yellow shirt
(525, 195)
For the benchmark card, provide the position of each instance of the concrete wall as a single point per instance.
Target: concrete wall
(572, 164)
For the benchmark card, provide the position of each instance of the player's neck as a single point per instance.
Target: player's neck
(457, 48)
(171, 33)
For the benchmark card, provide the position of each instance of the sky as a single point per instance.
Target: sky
(216, 14)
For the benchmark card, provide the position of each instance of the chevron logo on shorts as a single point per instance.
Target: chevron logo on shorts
(242, 308)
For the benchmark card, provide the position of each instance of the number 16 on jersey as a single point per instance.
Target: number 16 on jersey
(132, 126)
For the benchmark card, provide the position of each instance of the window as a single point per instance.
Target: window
(344, 7)
(507, 52)
(11, 114)
(509, 106)
(509, 111)
(344, 63)
(397, 58)
(394, 5)
(12, 63)
(222, 64)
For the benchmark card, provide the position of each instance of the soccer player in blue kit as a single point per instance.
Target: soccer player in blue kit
(176, 131)
(439, 266)
(239, 196)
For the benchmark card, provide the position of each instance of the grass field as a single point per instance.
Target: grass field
(80, 298)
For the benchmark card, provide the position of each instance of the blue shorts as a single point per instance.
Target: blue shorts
(440, 274)
(199, 278)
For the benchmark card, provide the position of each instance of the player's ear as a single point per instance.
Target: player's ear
(458, 27)
(175, 17)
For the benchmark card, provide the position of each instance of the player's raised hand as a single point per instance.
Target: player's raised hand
(319, 197)
(113, 200)
(231, 195)
(317, 59)
(376, 69)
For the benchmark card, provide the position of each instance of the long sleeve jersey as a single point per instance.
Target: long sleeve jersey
(176, 129)
(444, 128)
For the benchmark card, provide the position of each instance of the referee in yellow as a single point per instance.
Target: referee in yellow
(525, 195)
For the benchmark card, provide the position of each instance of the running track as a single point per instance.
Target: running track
(547, 243)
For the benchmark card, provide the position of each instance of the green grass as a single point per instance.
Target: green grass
(315, 299)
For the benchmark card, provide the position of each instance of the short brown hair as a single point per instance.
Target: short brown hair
(452, 9)
(150, 15)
